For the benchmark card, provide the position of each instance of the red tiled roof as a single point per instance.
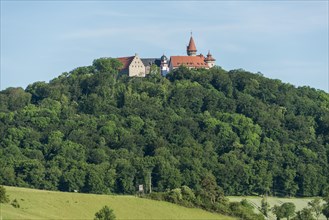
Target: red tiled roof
(191, 46)
(189, 61)
(125, 61)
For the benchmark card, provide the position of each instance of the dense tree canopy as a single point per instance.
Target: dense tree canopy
(92, 130)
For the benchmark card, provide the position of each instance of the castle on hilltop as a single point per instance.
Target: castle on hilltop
(136, 66)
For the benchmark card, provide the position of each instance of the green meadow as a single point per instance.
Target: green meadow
(300, 203)
(42, 204)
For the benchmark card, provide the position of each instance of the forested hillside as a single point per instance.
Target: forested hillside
(93, 131)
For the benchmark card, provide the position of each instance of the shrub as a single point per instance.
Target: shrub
(174, 196)
(15, 203)
(222, 208)
(247, 204)
(188, 197)
(187, 193)
(160, 196)
(3, 196)
(105, 214)
(243, 211)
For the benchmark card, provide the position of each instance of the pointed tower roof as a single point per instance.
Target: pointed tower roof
(191, 46)
(209, 57)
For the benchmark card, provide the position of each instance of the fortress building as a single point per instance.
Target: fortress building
(192, 60)
(148, 62)
(132, 66)
(135, 66)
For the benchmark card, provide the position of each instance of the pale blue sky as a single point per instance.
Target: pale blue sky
(286, 40)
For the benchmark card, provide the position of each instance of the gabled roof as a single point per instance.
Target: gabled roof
(189, 61)
(191, 46)
(126, 61)
(150, 61)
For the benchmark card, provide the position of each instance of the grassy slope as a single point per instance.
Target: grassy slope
(40, 204)
(300, 203)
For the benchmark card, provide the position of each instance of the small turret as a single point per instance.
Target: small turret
(164, 68)
(210, 60)
(164, 59)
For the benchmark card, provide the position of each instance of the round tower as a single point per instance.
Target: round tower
(191, 48)
(164, 68)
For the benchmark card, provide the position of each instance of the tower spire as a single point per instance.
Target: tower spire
(191, 48)
(210, 60)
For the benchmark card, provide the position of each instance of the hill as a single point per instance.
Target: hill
(235, 132)
(42, 204)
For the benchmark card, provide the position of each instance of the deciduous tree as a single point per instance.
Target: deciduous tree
(105, 213)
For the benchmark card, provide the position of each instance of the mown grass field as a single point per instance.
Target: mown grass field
(41, 204)
(300, 203)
